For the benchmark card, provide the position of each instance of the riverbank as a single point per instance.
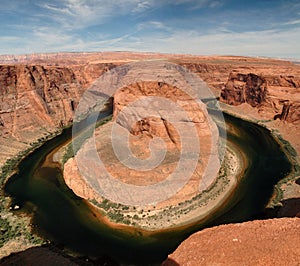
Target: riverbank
(16, 226)
(182, 214)
(288, 137)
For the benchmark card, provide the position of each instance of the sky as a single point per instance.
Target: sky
(268, 28)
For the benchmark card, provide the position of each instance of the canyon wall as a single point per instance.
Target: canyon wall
(277, 96)
(36, 100)
(40, 96)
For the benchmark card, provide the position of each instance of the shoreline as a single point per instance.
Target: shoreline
(20, 221)
(200, 218)
(197, 215)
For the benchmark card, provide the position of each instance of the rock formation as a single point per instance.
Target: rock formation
(290, 111)
(276, 96)
(37, 99)
(261, 243)
(245, 88)
(143, 130)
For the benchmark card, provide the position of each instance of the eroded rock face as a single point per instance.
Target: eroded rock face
(290, 112)
(35, 96)
(265, 243)
(155, 126)
(245, 88)
(36, 100)
(275, 96)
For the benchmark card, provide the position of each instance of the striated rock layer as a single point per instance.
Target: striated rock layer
(38, 93)
(36, 100)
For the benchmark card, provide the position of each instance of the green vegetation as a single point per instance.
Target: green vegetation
(287, 146)
(69, 153)
(131, 215)
(13, 228)
(11, 164)
(7, 231)
(115, 211)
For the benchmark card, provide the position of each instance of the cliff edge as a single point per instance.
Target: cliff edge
(261, 243)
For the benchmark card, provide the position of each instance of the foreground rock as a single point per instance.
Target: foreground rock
(265, 243)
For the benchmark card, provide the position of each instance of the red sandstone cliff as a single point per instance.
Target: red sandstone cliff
(245, 88)
(40, 97)
(276, 95)
(37, 99)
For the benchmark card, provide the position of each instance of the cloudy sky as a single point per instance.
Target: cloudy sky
(236, 27)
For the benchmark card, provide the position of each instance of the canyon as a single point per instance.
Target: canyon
(39, 94)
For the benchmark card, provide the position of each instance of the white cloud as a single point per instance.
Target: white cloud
(53, 8)
(293, 22)
(253, 43)
(51, 38)
(198, 4)
(76, 14)
(159, 36)
(157, 25)
(215, 4)
(9, 38)
(141, 6)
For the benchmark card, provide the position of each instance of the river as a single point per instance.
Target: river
(68, 222)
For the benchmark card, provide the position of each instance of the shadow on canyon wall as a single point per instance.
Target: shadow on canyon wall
(290, 208)
(170, 262)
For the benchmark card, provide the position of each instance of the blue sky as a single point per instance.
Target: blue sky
(253, 28)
